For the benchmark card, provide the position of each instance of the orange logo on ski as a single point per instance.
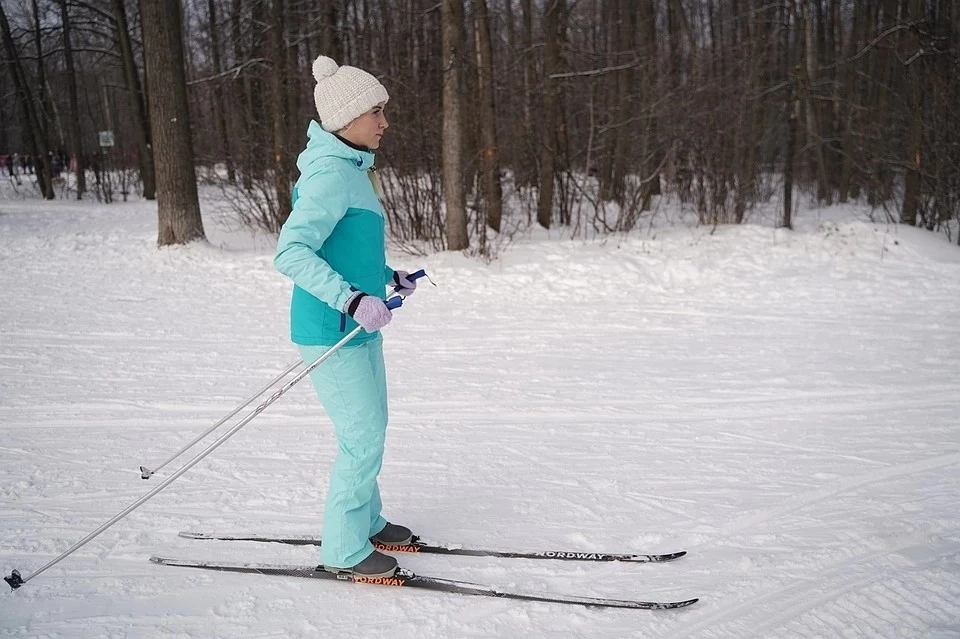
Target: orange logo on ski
(380, 581)
(407, 548)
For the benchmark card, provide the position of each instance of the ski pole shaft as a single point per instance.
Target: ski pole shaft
(146, 473)
(15, 579)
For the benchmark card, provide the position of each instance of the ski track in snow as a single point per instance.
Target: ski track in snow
(781, 405)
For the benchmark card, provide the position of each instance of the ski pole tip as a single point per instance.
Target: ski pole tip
(14, 579)
(145, 473)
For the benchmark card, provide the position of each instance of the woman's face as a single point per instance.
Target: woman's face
(367, 129)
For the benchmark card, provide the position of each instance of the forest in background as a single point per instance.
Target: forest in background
(575, 113)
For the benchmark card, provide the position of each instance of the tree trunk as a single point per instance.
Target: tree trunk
(281, 177)
(178, 209)
(242, 99)
(914, 85)
(548, 140)
(138, 110)
(76, 142)
(490, 156)
(35, 142)
(610, 112)
(452, 18)
(847, 85)
(525, 169)
(46, 110)
(625, 79)
(649, 80)
(792, 106)
(257, 95)
(220, 116)
(330, 37)
(882, 73)
(809, 80)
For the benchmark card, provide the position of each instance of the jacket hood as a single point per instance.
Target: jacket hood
(322, 144)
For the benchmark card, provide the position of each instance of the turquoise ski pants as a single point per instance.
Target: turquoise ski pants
(352, 386)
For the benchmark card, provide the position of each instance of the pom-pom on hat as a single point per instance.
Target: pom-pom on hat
(343, 93)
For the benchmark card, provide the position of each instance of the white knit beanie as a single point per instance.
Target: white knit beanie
(344, 93)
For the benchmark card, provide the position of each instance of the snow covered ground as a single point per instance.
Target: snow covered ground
(782, 405)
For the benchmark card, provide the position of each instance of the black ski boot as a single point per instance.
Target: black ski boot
(375, 565)
(392, 535)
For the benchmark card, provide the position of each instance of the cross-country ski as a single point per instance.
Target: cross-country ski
(410, 580)
(418, 545)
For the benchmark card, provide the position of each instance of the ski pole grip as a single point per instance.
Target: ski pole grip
(413, 277)
(394, 302)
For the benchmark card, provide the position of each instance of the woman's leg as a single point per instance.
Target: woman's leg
(377, 522)
(351, 387)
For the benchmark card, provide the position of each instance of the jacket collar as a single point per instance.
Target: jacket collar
(322, 144)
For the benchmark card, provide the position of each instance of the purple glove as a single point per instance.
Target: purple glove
(369, 312)
(403, 284)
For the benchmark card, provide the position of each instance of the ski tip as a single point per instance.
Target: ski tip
(166, 561)
(194, 535)
(656, 559)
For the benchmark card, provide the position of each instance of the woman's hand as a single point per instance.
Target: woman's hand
(403, 283)
(369, 312)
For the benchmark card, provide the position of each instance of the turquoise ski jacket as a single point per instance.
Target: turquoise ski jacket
(332, 245)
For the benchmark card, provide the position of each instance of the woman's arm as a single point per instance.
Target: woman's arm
(321, 204)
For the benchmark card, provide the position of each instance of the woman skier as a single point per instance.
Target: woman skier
(332, 247)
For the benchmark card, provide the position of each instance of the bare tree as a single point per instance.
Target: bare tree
(591, 106)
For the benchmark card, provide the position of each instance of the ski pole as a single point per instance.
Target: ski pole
(146, 473)
(15, 579)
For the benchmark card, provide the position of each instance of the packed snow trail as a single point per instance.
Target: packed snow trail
(780, 404)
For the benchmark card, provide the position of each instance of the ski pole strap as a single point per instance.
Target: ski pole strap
(412, 277)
